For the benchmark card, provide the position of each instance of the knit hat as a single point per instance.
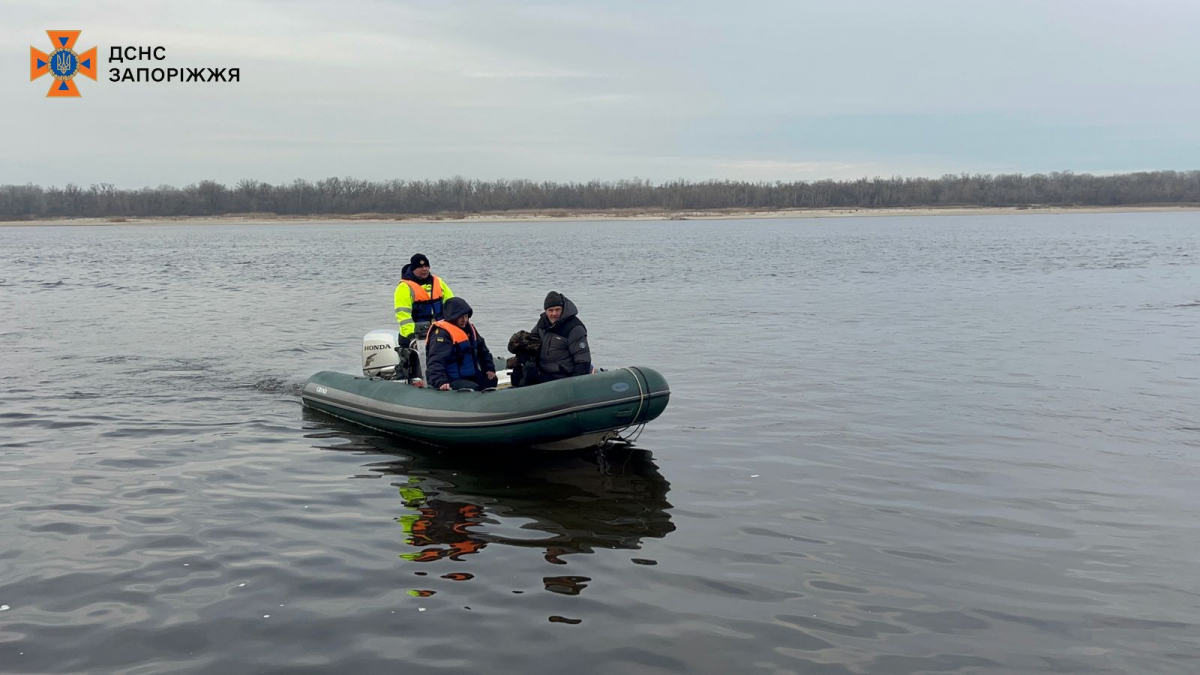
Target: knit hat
(553, 299)
(418, 260)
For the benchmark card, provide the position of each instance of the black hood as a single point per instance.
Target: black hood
(456, 307)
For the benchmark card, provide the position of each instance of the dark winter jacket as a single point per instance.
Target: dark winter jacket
(565, 350)
(445, 360)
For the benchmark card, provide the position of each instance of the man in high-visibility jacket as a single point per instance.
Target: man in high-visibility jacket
(418, 299)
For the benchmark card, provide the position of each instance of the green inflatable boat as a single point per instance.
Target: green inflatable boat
(570, 414)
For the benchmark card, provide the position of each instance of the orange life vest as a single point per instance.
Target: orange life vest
(457, 334)
(425, 307)
(466, 361)
(420, 294)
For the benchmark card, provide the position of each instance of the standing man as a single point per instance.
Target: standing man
(564, 349)
(456, 355)
(418, 299)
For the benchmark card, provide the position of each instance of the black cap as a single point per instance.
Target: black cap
(553, 299)
(418, 260)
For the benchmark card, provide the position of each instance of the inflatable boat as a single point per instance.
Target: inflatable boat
(574, 413)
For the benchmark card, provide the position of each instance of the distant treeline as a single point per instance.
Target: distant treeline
(347, 196)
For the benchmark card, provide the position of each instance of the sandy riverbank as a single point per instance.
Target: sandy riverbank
(571, 215)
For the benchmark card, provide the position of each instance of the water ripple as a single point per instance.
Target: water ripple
(961, 445)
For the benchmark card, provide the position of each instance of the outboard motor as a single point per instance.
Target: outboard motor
(379, 355)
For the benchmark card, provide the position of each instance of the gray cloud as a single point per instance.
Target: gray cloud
(564, 91)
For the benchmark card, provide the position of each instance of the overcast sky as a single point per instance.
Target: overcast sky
(607, 90)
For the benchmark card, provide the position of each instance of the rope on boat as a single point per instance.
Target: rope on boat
(642, 396)
(629, 440)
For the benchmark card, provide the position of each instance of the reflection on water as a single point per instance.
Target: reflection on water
(459, 504)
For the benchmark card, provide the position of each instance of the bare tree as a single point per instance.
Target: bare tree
(461, 195)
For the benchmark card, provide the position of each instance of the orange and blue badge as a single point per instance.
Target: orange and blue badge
(63, 63)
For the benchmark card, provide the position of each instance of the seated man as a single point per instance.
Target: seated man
(456, 357)
(564, 344)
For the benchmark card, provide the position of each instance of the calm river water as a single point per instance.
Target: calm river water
(894, 445)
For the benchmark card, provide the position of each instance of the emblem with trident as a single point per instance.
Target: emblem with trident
(63, 64)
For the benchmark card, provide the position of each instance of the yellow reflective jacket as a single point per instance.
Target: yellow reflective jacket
(403, 302)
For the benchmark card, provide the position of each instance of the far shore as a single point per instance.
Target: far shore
(560, 215)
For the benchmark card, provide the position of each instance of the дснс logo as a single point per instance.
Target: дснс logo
(63, 63)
